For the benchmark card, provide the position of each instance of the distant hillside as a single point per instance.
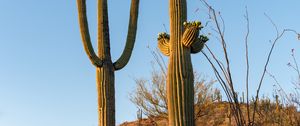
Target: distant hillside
(218, 114)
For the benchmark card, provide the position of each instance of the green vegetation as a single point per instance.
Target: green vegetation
(105, 68)
(174, 98)
(182, 41)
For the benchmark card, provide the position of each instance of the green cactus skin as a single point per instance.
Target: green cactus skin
(105, 68)
(183, 41)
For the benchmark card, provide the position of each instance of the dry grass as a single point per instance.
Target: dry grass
(219, 114)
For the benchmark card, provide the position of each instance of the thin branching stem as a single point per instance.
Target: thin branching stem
(247, 64)
(278, 36)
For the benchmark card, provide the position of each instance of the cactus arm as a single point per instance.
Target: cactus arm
(189, 37)
(131, 35)
(163, 43)
(103, 31)
(191, 33)
(198, 44)
(85, 36)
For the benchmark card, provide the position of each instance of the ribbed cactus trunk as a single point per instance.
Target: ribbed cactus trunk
(105, 75)
(182, 41)
(180, 79)
(106, 94)
(105, 68)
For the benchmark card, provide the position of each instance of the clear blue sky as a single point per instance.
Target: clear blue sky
(46, 78)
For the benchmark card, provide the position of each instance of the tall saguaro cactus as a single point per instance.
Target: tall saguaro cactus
(183, 40)
(105, 68)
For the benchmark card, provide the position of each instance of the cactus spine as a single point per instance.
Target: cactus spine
(105, 68)
(182, 41)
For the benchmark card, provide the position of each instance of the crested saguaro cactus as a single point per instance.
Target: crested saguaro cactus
(183, 40)
(105, 68)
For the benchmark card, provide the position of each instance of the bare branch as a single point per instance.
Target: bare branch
(278, 36)
(247, 63)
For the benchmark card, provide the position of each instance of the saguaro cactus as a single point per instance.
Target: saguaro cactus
(105, 68)
(183, 40)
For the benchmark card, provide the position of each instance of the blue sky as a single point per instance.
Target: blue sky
(46, 78)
